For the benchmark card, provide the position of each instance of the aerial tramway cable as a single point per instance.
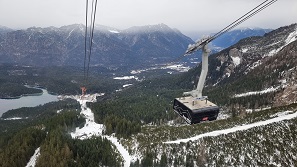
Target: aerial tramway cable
(245, 17)
(86, 33)
(198, 45)
(88, 42)
(92, 26)
(217, 34)
(89, 37)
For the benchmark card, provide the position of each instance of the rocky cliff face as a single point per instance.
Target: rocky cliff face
(285, 63)
(249, 53)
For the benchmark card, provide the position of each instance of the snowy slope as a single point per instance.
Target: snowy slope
(280, 117)
(91, 128)
(254, 138)
(271, 89)
(32, 161)
(121, 149)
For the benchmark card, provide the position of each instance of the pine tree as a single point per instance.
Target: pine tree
(163, 161)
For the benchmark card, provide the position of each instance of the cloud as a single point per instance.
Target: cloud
(185, 15)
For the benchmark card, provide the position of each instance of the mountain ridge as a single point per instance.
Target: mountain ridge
(111, 47)
(135, 46)
(232, 37)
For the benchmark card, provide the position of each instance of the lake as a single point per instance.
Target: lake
(26, 101)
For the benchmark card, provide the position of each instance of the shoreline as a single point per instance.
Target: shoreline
(23, 95)
(29, 94)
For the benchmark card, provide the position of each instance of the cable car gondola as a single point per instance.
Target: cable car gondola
(195, 110)
(193, 107)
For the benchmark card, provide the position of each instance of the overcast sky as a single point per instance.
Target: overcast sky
(189, 16)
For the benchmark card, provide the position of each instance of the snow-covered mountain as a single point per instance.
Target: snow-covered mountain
(4, 29)
(135, 46)
(233, 36)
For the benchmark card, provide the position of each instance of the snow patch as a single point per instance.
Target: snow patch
(125, 78)
(223, 115)
(283, 83)
(244, 50)
(14, 118)
(32, 161)
(273, 52)
(218, 68)
(280, 114)
(91, 128)
(125, 154)
(119, 90)
(176, 67)
(235, 129)
(292, 37)
(127, 85)
(114, 31)
(136, 71)
(236, 60)
(254, 65)
(227, 74)
(219, 80)
(258, 109)
(70, 33)
(271, 89)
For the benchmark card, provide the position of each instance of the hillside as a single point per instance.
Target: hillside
(262, 138)
(257, 64)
